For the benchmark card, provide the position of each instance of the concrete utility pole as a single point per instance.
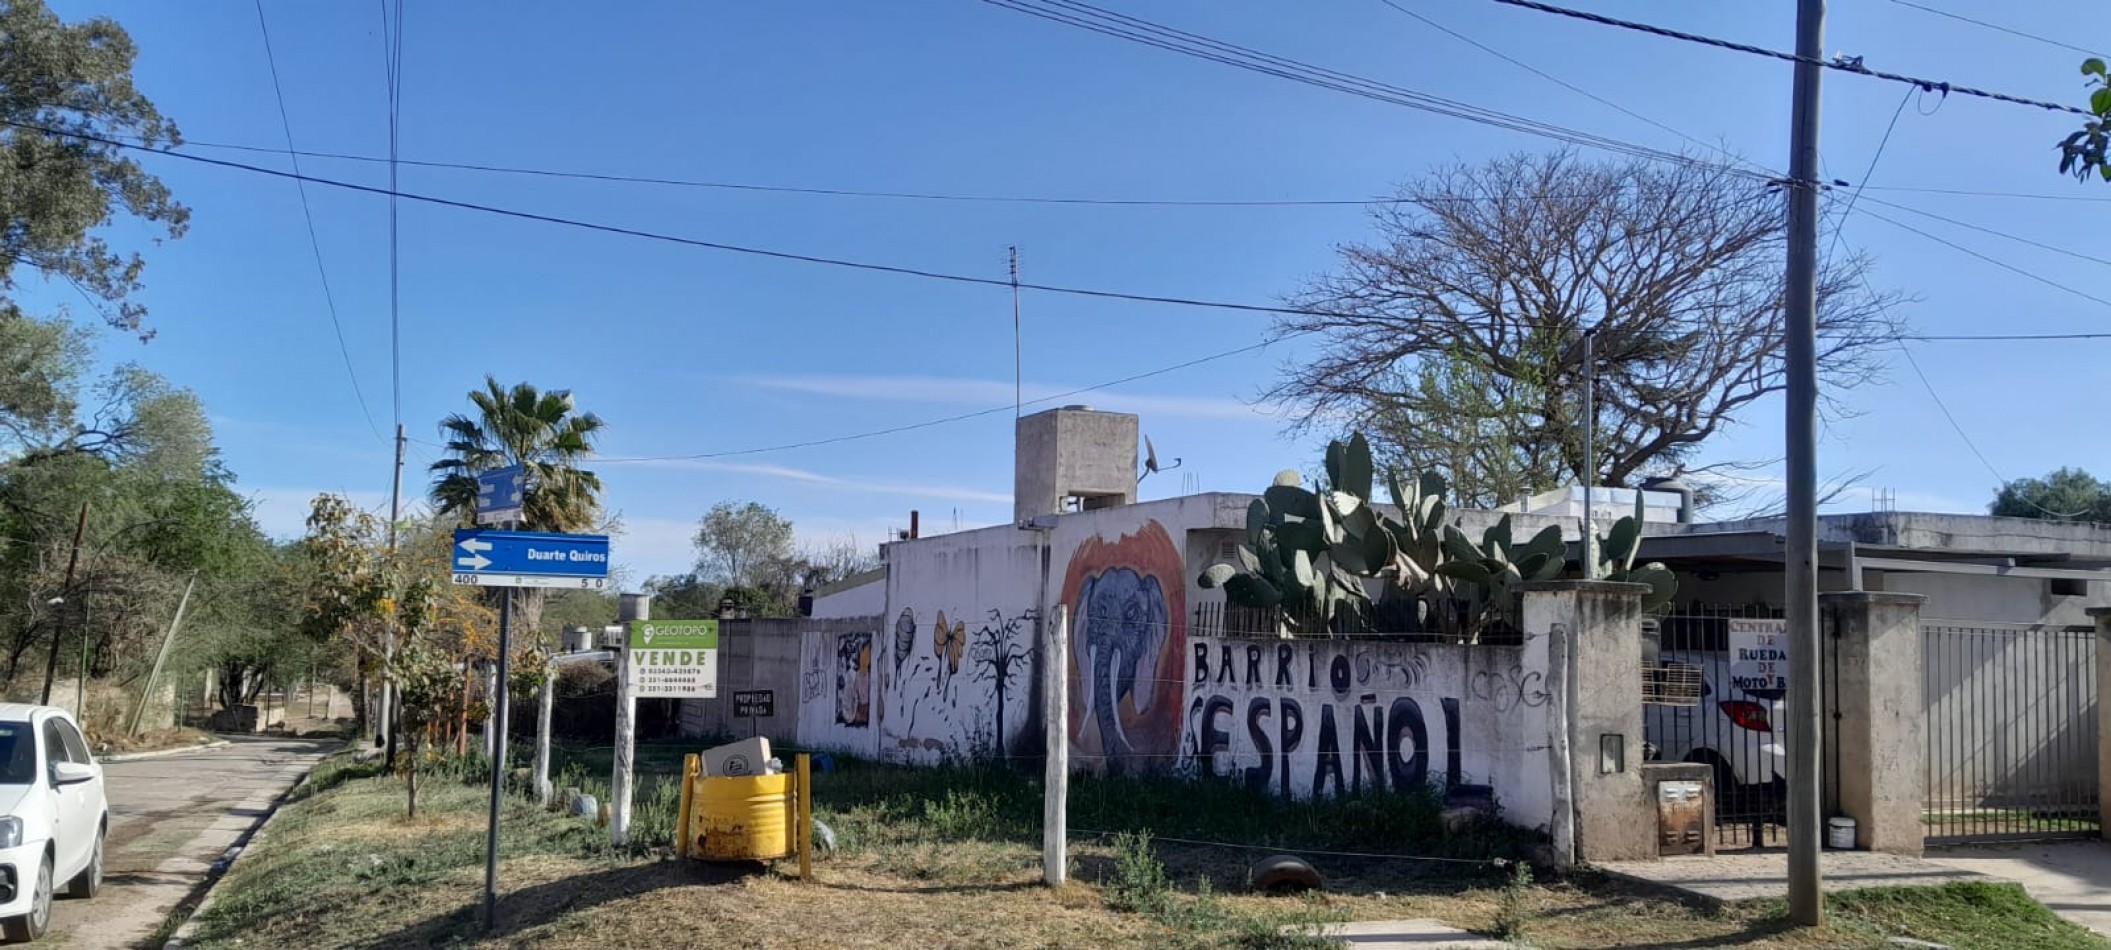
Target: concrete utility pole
(1806, 718)
(1055, 784)
(1590, 453)
(629, 609)
(387, 718)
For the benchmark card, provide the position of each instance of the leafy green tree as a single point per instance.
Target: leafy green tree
(2069, 494)
(683, 597)
(2082, 153)
(742, 545)
(65, 85)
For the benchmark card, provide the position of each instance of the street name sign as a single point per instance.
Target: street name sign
(500, 493)
(530, 559)
(673, 659)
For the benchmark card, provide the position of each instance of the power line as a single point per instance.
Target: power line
(1107, 23)
(1997, 262)
(1996, 27)
(2004, 337)
(1845, 65)
(1556, 80)
(2041, 245)
(1966, 193)
(308, 214)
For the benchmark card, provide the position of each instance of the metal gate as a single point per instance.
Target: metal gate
(2011, 722)
(1728, 729)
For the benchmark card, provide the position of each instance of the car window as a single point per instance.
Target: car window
(76, 747)
(54, 744)
(18, 754)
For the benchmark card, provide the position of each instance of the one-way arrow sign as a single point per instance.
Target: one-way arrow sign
(530, 559)
(500, 493)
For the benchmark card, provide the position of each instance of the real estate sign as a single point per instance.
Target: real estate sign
(1759, 656)
(673, 659)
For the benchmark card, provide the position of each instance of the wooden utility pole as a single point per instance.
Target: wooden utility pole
(58, 632)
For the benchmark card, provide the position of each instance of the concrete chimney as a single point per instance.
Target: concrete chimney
(1073, 453)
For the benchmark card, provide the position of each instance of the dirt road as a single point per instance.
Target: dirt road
(170, 819)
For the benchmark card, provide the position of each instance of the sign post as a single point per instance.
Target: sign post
(509, 560)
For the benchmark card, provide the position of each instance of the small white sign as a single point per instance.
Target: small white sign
(1759, 656)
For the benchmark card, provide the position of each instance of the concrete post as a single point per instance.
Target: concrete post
(1055, 789)
(2102, 616)
(1879, 718)
(630, 608)
(1593, 656)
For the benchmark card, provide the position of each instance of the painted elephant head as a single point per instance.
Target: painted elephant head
(1123, 625)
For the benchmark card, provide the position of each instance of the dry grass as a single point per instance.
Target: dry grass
(340, 868)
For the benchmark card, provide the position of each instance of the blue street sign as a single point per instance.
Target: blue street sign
(530, 559)
(500, 493)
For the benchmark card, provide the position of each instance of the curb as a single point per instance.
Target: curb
(234, 852)
(164, 753)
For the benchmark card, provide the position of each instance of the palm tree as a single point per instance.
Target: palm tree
(544, 434)
(539, 431)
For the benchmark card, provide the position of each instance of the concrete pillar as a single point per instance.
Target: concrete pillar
(2102, 616)
(1593, 652)
(1879, 718)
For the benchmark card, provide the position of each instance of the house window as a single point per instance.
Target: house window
(2068, 587)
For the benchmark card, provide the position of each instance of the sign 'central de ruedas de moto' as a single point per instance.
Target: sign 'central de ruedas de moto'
(673, 659)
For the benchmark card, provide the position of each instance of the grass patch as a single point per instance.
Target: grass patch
(950, 858)
(1970, 914)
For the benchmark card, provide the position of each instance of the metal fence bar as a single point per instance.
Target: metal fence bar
(2010, 711)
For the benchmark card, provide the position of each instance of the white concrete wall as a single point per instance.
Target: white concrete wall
(839, 699)
(1981, 597)
(957, 654)
(864, 600)
(1320, 718)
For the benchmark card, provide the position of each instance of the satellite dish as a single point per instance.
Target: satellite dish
(1150, 461)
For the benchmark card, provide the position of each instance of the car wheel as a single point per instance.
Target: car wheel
(90, 881)
(32, 925)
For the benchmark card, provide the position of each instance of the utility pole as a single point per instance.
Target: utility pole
(1018, 344)
(58, 633)
(1590, 455)
(387, 719)
(1806, 718)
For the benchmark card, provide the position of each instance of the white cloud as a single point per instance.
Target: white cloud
(787, 473)
(989, 392)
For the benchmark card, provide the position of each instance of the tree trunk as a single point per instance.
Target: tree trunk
(411, 783)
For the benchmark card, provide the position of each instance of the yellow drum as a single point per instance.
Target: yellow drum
(742, 817)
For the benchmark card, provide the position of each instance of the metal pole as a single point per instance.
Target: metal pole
(1806, 718)
(1590, 465)
(498, 758)
(1055, 783)
(1018, 344)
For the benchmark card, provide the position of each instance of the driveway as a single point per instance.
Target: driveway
(170, 819)
(2071, 877)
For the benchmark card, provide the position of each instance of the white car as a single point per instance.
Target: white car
(55, 816)
(1737, 732)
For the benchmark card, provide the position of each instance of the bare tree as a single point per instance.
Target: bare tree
(1455, 338)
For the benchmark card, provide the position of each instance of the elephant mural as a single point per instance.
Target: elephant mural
(1128, 599)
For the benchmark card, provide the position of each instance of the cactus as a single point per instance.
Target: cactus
(1492, 570)
(1616, 561)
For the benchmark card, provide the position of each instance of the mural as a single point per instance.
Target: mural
(954, 695)
(1320, 718)
(853, 679)
(1128, 603)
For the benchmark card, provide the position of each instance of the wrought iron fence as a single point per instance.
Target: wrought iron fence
(2012, 731)
(1694, 712)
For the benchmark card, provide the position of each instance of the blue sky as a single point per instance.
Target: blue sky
(687, 351)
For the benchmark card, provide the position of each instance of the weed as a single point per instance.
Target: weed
(1137, 884)
(1514, 911)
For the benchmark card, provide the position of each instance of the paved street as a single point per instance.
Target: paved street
(170, 819)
